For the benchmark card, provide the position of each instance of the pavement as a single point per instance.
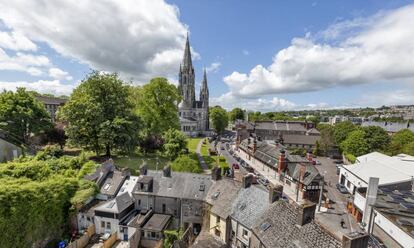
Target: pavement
(203, 163)
(337, 211)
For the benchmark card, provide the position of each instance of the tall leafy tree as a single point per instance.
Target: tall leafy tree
(355, 143)
(399, 140)
(175, 142)
(219, 118)
(100, 114)
(236, 114)
(377, 138)
(342, 130)
(409, 148)
(157, 106)
(327, 136)
(22, 115)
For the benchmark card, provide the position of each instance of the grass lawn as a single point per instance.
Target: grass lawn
(192, 144)
(135, 161)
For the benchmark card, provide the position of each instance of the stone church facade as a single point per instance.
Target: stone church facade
(193, 114)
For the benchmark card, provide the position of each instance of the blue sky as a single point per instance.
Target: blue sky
(260, 55)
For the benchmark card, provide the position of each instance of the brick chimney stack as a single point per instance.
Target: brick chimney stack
(306, 213)
(143, 169)
(309, 156)
(282, 162)
(355, 240)
(275, 193)
(216, 173)
(166, 172)
(254, 145)
(247, 181)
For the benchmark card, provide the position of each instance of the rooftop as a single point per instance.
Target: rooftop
(112, 183)
(221, 195)
(277, 228)
(397, 207)
(157, 222)
(249, 205)
(388, 169)
(179, 185)
(128, 185)
(116, 205)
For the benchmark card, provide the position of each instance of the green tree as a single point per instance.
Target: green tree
(100, 114)
(342, 130)
(377, 138)
(174, 143)
(355, 143)
(317, 150)
(219, 118)
(236, 114)
(22, 115)
(327, 137)
(399, 140)
(409, 148)
(157, 106)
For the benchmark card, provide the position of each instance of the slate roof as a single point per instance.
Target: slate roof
(112, 183)
(116, 205)
(157, 222)
(311, 173)
(297, 139)
(179, 185)
(249, 205)
(221, 196)
(277, 228)
(100, 173)
(280, 126)
(398, 207)
(206, 240)
(391, 127)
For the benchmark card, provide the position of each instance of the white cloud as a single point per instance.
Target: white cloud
(54, 87)
(361, 51)
(229, 101)
(59, 74)
(16, 41)
(214, 67)
(23, 62)
(137, 38)
(395, 97)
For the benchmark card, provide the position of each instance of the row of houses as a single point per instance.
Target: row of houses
(223, 212)
(382, 197)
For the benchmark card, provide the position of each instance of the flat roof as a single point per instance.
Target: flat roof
(388, 169)
(157, 222)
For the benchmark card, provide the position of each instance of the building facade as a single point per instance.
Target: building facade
(52, 104)
(193, 114)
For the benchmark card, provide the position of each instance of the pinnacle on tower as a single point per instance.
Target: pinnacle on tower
(187, 63)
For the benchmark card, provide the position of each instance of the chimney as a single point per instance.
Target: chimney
(143, 169)
(309, 156)
(281, 162)
(275, 193)
(125, 172)
(306, 213)
(247, 181)
(371, 197)
(216, 173)
(254, 145)
(355, 240)
(166, 171)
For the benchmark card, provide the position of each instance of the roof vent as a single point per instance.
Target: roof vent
(216, 195)
(264, 226)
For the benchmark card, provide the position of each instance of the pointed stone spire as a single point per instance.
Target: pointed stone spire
(187, 63)
(204, 86)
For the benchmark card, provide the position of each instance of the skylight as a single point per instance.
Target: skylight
(264, 226)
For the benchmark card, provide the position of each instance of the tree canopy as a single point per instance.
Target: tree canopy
(399, 140)
(157, 106)
(174, 143)
(100, 114)
(355, 143)
(219, 118)
(236, 114)
(22, 115)
(36, 194)
(342, 130)
(377, 138)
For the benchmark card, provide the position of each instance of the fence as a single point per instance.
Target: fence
(83, 241)
(109, 242)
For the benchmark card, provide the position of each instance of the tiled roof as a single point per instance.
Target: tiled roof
(300, 139)
(391, 127)
(277, 228)
(180, 185)
(113, 183)
(221, 196)
(249, 205)
(116, 205)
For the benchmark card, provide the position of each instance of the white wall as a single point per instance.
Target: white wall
(101, 230)
(359, 201)
(354, 181)
(393, 231)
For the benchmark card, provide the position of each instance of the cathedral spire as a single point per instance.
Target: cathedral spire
(187, 63)
(204, 83)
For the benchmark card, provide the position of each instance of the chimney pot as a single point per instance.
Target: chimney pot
(166, 171)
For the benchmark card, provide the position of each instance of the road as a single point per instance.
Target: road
(337, 211)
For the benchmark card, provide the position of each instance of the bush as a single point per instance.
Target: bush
(50, 151)
(351, 158)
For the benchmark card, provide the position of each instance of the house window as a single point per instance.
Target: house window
(217, 219)
(108, 225)
(348, 184)
(139, 202)
(163, 208)
(103, 224)
(244, 232)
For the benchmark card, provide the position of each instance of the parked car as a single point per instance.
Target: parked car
(265, 182)
(342, 188)
(249, 169)
(236, 166)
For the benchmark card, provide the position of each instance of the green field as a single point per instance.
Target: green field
(135, 161)
(192, 144)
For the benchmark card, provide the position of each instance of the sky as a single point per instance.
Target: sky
(259, 55)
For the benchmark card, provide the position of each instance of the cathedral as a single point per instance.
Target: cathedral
(193, 114)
